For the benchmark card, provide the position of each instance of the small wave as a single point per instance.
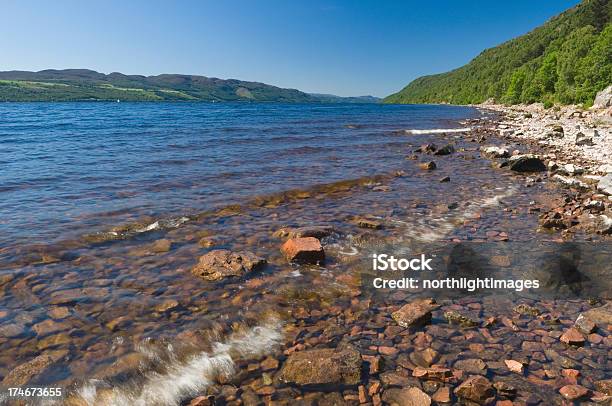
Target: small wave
(181, 380)
(438, 131)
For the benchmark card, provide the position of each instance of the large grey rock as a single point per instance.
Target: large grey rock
(605, 184)
(603, 99)
(526, 163)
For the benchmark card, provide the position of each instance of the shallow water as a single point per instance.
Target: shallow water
(91, 187)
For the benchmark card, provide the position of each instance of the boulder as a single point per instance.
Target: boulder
(526, 163)
(445, 150)
(305, 250)
(415, 313)
(322, 366)
(494, 152)
(605, 184)
(220, 264)
(412, 396)
(603, 99)
(476, 388)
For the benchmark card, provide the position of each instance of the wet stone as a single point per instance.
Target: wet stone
(306, 250)
(454, 317)
(25, 372)
(220, 264)
(600, 315)
(472, 366)
(48, 326)
(412, 396)
(434, 372)
(428, 166)
(322, 366)
(415, 313)
(442, 395)
(476, 388)
(424, 358)
(161, 246)
(526, 310)
(318, 232)
(584, 325)
(514, 366)
(526, 163)
(573, 392)
(573, 337)
(366, 222)
(604, 386)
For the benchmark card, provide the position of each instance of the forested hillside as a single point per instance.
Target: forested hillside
(567, 60)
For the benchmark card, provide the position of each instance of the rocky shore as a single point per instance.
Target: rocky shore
(263, 303)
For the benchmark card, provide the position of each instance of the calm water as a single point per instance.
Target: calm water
(73, 168)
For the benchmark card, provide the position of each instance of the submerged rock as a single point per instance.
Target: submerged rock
(318, 232)
(476, 388)
(428, 166)
(454, 317)
(415, 313)
(445, 150)
(573, 392)
(306, 250)
(600, 315)
(412, 396)
(219, 264)
(573, 337)
(25, 372)
(322, 366)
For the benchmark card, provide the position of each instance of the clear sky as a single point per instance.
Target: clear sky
(347, 47)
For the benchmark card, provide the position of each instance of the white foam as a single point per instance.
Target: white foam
(438, 131)
(185, 379)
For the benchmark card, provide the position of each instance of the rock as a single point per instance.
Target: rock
(161, 246)
(603, 99)
(584, 324)
(23, 373)
(445, 179)
(571, 169)
(322, 366)
(571, 182)
(445, 150)
(442, 395)
(48, 326)
(415, 313)
(424, 358)
(454, 317)
(582, 139)
(412, 396)
(167, 305)
(220, 264)
(367, 222)
(552, 220)
(318, 232)
(604, 386)
(427, 148)
(494, 152)
(390, 378)
(306, 250)
(12, 330)
(526, 163)
(428, 166)
(514, 366)
(558, 128)
(600, 315)
(472, 366)
(526, 309)
(603, 225)
(504, 389)
(605, 184)
(573, 392)
(435, 372)
(53, 341)
(476, 388)
(202, 401)
(572, 337)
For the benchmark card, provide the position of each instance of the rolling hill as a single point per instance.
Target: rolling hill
(89, 85)
(566, 60)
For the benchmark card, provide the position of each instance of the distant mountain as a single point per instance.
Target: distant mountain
(330, 98)
(566, 60)
(84, 84)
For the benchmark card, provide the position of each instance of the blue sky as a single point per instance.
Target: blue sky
(343, 47)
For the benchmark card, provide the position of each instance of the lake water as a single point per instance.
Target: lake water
(106, 207)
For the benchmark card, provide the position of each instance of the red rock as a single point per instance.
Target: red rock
(412, 396)
(476, 388)
(219, 264)
(571, 373)
(573, 392)
(269, 364)
(307, 250)
(322, 366)
(390, 351)
(573, 337)
(434, 372)
(415, 313)
(442, 395)
(363, 398)
(373, 388)
(595, 338)
(201, 401)
(514, 366)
